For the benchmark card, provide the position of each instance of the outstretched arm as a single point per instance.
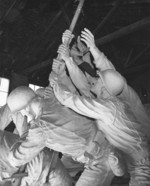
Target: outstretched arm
(96, 109)
(59, 68)
(100, 60)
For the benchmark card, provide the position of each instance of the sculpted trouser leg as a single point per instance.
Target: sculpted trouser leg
(38, 170)
(97, 172)
(139, 172)
(106, 163)
(73, 167)
(60, 176)
(98, 175)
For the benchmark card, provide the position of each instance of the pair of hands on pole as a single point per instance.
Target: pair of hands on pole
(64, 51)
(58, 66)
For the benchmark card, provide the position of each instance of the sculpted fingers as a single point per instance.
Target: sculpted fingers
(88, 38)
(56, 65)
(67, 37)
(53, 78)
(48, 92)
(63, 50)
(89, 33)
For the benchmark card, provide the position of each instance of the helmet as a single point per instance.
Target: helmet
(19, 98)
(113, 81)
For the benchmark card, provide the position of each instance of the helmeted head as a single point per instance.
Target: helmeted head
(110, 80)
(19, 98)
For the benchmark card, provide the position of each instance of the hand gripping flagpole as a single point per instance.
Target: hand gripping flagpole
(74, 21)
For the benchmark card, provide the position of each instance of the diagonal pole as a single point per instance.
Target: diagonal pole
(71, 28)
(74, 20)
(76, 16)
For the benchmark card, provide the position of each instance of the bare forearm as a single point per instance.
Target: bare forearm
(77, 77)
(100, 60)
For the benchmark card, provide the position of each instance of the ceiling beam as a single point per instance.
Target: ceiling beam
(130, 71)
(37, 67)
(106, 39)
(8, 11)
(138, 1)
(108, 16)
(124, 31)
(111, 4)
(46, 63)
(139, 55)
(66, 17)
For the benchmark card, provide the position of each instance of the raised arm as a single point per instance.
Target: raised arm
(58, 65)
(76, 75)
(100, 60)
(59, 68)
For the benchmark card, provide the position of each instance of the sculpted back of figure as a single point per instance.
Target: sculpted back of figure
(61, 129)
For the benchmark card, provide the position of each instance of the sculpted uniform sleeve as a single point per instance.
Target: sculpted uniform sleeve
(28, 147)
(5, 117)
(7, 140)
(77, 77)
(119, 125)
(128, 94)
(100, 60)
(85, 106)
(67, 81)
(131, 97)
